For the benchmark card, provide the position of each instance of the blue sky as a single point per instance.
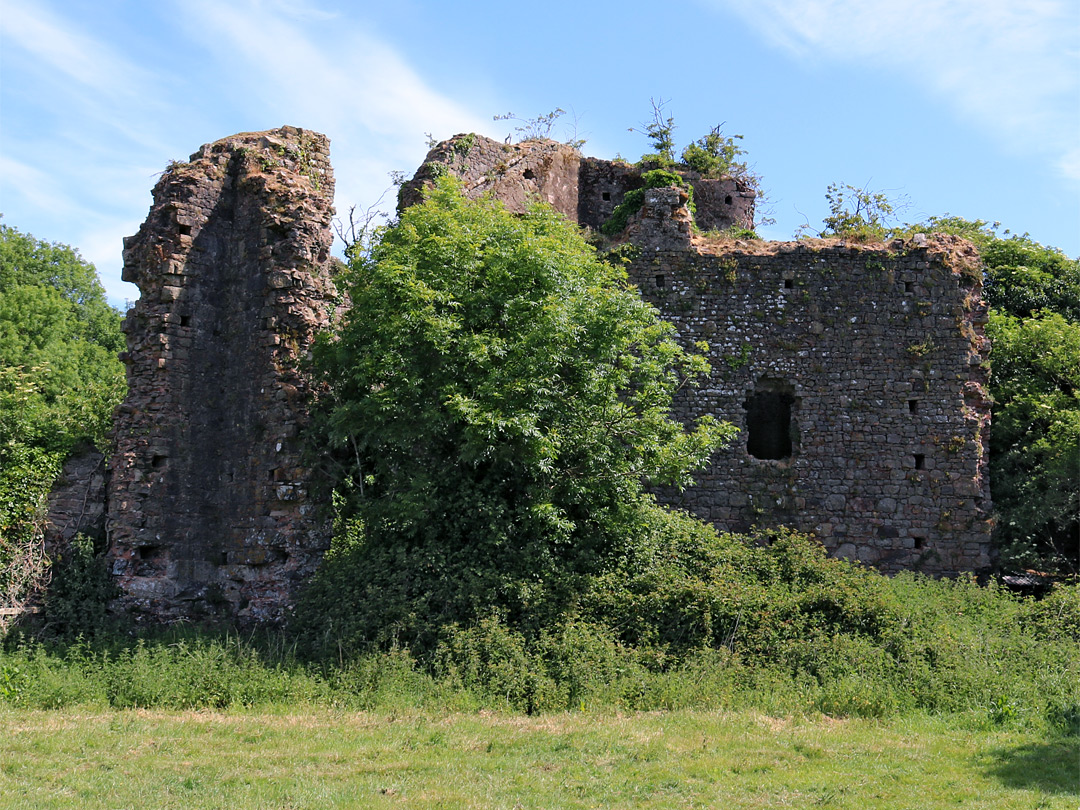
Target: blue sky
(968, 107)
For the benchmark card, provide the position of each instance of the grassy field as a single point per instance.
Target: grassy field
(320, 758)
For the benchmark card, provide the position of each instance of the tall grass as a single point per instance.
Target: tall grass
(950, 647)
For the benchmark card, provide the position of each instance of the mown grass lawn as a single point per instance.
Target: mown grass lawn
(687, 759)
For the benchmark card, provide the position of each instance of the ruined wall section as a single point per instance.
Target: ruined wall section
(76, 501)
(515, 174)
(208, 511)
(864, 372)
(584, 190)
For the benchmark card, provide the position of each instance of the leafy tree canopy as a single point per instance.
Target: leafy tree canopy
(500, 395)
(58, 343)
(59, 381)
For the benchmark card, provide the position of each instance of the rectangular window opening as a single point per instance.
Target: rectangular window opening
(919, 542)
(769, 424)
(920, 461)
(660, 280)
(907, 286)
(788, 284)
(913, 405)
(606, 196)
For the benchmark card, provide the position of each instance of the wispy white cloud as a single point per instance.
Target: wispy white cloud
(77, 57)
(336, 78)
(23, 182)
(1014, 68)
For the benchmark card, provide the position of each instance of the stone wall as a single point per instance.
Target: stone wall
(76, 501)
(856, 375)
(584, 190)
(208, 510)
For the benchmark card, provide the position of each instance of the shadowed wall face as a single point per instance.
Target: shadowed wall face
(208, 510)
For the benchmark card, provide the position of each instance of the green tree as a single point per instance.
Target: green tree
(858, 213)
(58, 329)
(661, 132)
(59, 382)
(501, 397)
(716, 155)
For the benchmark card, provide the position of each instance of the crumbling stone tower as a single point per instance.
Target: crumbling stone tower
(208, 509)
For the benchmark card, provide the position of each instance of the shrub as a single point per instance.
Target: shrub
(81, 587)
(498, 398)
(635, 198)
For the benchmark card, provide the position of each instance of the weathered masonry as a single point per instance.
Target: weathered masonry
(207, 505)
(584, 190)
(856, 373)
(857, 377)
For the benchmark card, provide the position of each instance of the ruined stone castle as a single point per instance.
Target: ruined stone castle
(856, 374)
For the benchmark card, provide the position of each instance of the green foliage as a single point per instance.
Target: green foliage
(80, 589)
(26, 472)
(713, 156)
(716, 155)
(792, 632)
(660, 130)
(499, 396)
(59, 381)
(858, 214)
(635, 198)
(58, 330)
(1035, 438)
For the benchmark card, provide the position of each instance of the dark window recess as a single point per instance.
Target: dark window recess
(727, 200)
(185, 230)
(185, 320)
(913, 405)
(907, 286)
(606, 196)
(919, 542)
(788, 283)
(768, 422)
(528, 174)
(660, 280)
(147, 552)
(920, 461)
(158, 462)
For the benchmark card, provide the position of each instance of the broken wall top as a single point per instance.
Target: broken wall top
(585, 190)
(208, 506)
